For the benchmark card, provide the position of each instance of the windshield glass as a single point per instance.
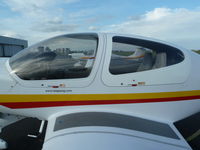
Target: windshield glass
(62, 57)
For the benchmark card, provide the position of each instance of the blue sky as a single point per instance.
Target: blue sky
(174, 21)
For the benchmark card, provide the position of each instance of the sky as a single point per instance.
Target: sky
(175, 21)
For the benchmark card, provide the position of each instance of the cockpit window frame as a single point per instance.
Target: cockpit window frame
(57, 58)
(74, 82)
(172, 74)
(149, 47)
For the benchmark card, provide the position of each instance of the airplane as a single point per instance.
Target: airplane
(102, 91)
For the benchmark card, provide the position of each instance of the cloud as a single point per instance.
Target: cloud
(55, 20)
(157, 14)
(174, 25)
(29, 8)
(93, 28)
(80, 13)
(55, 27)
(37, 8)
(9, 34)
(38, 19)
(38, 11)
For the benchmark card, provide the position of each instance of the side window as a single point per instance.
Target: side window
(135, 55)
(62, 57)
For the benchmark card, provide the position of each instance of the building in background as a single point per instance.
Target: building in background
(10, 46)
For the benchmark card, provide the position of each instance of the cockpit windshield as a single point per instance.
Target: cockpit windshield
(63, 57)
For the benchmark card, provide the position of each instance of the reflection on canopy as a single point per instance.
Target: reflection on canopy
(62, 57)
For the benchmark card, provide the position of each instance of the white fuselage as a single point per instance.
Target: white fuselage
(168, 93)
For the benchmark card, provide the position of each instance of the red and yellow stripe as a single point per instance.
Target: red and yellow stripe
(52, 100)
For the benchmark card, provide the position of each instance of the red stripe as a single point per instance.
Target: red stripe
(17, 105)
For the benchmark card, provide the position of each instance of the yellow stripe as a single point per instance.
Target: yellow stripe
(91, 97)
